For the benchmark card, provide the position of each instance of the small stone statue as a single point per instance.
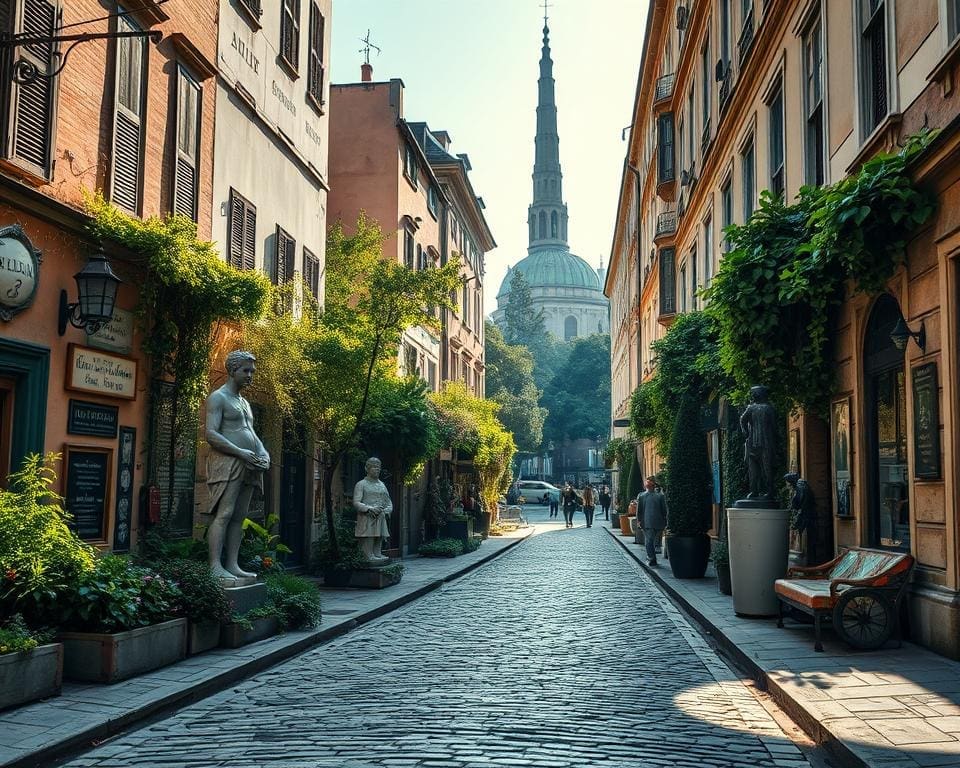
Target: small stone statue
(803, 511)
(372, 502)
(759, 423)
(235, 465)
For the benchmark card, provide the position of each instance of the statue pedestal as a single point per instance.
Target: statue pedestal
(759, 548)
(372, 576)
(247, 597)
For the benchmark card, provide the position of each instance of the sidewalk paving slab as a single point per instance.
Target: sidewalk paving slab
(892, 708)
(39, 733)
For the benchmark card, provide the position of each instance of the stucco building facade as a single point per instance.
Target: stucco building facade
(734, 98)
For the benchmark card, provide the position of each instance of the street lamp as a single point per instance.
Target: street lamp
(96, 293)
(901, 334)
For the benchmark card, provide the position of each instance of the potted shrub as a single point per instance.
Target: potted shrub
(337, 572)
(120, 620)
(458, 526)
(31, 667)
(688, 494)
(292, 603)
(441, 548)
(203, 602)
(721, 562)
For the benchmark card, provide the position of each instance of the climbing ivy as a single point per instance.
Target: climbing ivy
(775, 296)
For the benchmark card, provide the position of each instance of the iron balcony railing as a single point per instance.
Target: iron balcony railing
(664, 87)
(666, 224)
(746, 36)
(725, 87)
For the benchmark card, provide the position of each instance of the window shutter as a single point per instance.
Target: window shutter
(31, 134)
(290, 32)
(311, 273)
(315, 66)
(249, 236)
(283, 264)
(235, 236)
(185, 174)
(668, 282)
(127, 130)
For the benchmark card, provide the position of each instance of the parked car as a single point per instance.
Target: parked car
(538, 491)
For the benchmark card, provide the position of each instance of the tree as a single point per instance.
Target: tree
(578, 398)
(320, 367)
(510, 383)
(688, 488)
(524, 324)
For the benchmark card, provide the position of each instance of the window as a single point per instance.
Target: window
(409, 249)
(432, 375)
(290, 33)
(569, 328)
(776, 141)
(813, 103)
(280, 270)
(725, 38)
(311, 273)
(708, 251)
(410, 168)
(668, 284)
(315, 64)
(543, 225)
(749, 179)
(252, 7)
(186, 173)
(242, 232)
(682, 287)
(29, 126)
(694, 276)
(433, 201)
(554, 222)
(954, 11)
(726, 212)
(665, 166)
(128, 118)
(465, 305)
(705, 94)
(873, 63)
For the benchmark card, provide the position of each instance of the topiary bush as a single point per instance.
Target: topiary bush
(442, 548)
(688, 492)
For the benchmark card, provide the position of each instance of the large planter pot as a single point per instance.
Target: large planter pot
(234, 635)
(625, 524)
(689, 555)
(107, 658)
(202, 636)
(31, 675)
(458, 529)
(614, 519)
(759, 548)
(723, 580)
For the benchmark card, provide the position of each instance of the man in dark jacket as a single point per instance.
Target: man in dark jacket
(652, 514)
(605, 502)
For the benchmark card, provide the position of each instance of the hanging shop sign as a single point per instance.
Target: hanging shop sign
(926, 422)
(90, 370)
(19, 271)
(92, 419)
(117, 335)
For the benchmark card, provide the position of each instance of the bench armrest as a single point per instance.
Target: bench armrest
(813, 571)
(834, 583)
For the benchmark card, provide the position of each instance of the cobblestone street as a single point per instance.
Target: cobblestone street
(559, 653)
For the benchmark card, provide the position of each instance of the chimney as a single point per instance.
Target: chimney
(366, 72)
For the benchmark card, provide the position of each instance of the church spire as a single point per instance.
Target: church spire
(547, 216)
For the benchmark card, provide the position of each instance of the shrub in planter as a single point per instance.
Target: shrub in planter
(688, 494)
(721, 562)
(442, 548)
(202, 598)
(351, 556)
(30, 668)
(295, 600)
(39, 555)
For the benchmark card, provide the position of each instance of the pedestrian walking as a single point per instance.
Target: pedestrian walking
(605, 502)
(569, 498)
(554, 505)
(589, 499)
(652, 514)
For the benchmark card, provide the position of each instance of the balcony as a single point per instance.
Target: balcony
(726, 86)
(663, 91)
(745, 44)
(666, 226)
(705, 138)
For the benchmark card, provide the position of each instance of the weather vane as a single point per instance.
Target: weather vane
(367, 45)
(545, 6)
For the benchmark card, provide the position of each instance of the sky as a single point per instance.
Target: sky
(470, 67)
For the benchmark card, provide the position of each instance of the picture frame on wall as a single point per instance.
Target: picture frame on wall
(840, 450)
(793, 451)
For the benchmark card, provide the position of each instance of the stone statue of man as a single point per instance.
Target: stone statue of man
(372, 502)
(759, 423)
(235, 465)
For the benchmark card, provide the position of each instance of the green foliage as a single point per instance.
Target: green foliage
(470, 423)
(622, 451)
(442, 548)
(201, 595)
(473, 543)
(297, 601)
(439, 501)
(733, 465)
(635, 478)
(400, 426)
(524, 324)
(510, 382)
(117, 596)
(40, 557)
(394, 571)
(346, 557)
(155, 547)
(775, 295)
(16, 637)
(260, 547)
(688, 492)
(578, 397)
(721, 553)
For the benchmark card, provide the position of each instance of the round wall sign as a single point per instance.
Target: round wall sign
(19, 271)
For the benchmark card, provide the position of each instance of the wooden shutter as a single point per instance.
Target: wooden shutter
(290, 32)
(242, 234)
(668, 282)
(31, 106)
(311, 273)
(283, 265)
(315, 65)
(128, 122)
(186, 171)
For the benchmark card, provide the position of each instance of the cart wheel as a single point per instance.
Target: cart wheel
(864, 618)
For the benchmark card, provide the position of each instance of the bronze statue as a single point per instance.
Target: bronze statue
(759, 424)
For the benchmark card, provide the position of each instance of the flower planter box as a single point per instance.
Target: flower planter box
(202, 636)
(108, 658)
(31, 675)
(235, 635)
(360, 578)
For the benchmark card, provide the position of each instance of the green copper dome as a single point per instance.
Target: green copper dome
(553, 267)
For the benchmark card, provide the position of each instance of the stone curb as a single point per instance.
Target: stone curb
(190, 694)
(820, 733)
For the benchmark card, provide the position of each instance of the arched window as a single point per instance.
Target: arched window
(543, 224)
(570, 328)
(533, 229)
(553, 224)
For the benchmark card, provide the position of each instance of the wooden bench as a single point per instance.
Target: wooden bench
(860, 591)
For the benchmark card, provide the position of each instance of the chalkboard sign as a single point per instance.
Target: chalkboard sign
(87, 494)
(926, 422)
(92, 419)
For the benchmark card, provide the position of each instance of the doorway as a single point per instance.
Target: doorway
(888, 499)
(293, 496)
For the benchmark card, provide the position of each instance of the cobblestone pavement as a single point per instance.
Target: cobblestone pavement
(560, 653)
